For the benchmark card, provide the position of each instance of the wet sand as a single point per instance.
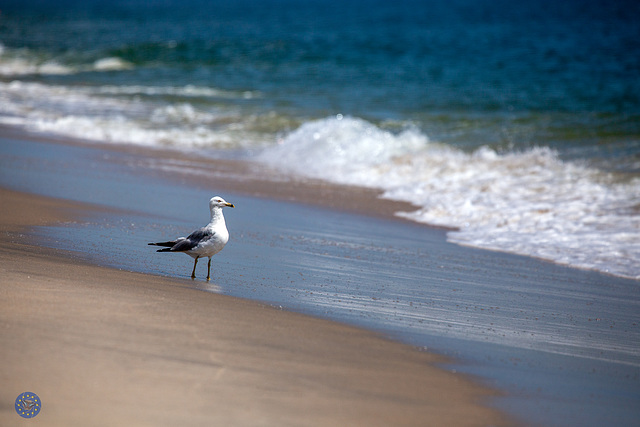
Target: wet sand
(107, 347)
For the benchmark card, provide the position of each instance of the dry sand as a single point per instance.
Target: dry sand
(107, 347)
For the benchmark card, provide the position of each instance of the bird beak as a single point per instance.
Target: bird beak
(230, 205)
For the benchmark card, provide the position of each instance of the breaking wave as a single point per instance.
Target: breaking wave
(530, 202)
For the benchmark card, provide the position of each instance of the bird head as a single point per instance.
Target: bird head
(219, 202)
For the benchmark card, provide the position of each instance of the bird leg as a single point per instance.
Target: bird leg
(209, 270)
(193, 273)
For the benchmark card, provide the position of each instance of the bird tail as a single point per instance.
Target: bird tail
(168, 245)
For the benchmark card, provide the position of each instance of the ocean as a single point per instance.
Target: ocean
(516, 124)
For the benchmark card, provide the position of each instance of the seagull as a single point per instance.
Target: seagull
(204, 242)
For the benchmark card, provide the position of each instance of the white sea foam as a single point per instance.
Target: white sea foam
(23, 66)
(20, 62)
(111, 64)
(184, 91)
(530, 203)
(100, 114)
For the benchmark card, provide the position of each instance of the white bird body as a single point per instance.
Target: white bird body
(204, 242)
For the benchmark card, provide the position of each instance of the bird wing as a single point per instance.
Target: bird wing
(193, 240)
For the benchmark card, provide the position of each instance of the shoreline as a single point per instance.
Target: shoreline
(246, 178)
(254, 179)
(137, 349)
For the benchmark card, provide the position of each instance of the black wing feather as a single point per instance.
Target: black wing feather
(167, 244)
(187, 243)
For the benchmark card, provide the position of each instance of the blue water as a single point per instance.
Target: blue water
(517, 123)
(509, 74)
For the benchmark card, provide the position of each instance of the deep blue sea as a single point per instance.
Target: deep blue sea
(515, 122)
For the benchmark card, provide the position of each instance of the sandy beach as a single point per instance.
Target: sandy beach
(551, 345)
(107, 347)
